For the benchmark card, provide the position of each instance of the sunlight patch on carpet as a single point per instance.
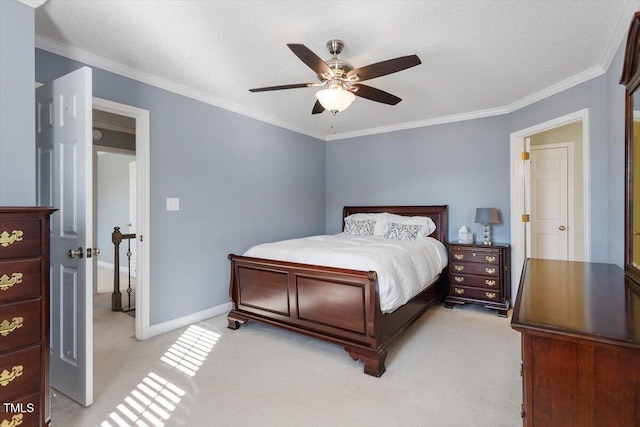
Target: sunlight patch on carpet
(189, 351)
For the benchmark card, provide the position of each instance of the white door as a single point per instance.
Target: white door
(549, 202)
(63, 138)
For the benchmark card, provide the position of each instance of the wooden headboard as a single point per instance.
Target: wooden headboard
(439, 215)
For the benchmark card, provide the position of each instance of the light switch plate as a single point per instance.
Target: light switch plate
(173, 204)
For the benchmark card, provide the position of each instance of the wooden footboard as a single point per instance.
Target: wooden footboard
(336, 305)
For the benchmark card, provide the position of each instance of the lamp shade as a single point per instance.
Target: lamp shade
(335, 99)
(487, 216)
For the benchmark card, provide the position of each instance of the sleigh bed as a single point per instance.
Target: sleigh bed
(333, 304)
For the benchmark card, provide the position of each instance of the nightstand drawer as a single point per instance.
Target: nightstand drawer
(475, 293)
(477, 269)
(19, 280)
(19, 324)
(484, 257)
(22, 412)
(19, 238)
(475, 281)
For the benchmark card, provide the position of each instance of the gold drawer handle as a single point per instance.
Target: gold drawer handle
(6, 377)
(490, 258)
(6, 328)
(7, 239)
(458, 256)
(490, 282)
(459, 267)
(490, 295)
(6, 282)
(458, 291)
(458, 279)
(16, 420)
(490, 270)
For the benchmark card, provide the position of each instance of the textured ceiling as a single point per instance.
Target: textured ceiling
(478, 57)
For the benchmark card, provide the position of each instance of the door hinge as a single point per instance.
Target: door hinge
(524, 155)
(525, 218)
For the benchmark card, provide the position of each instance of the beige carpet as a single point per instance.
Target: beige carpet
(452, 368)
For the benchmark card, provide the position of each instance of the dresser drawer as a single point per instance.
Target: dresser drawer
(22, 412)
(477, 269)
(19, 373)
(19, 237)
(19, 324)
(19, 280)
(480, 256)
(475, 293)
(475, 281)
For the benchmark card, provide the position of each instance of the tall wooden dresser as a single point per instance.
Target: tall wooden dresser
(580, 325)
(24, 316)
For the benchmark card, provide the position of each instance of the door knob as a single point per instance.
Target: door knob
(562, 228)
(94, 252)
(71, 253)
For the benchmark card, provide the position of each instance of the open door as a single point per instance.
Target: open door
(64, 157)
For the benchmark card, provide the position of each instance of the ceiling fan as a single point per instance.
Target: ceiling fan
(341, 81)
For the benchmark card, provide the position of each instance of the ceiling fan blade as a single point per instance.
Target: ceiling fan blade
(317, 108)
(385, 67)
(374, 94)
(312, 60)
(291, 86)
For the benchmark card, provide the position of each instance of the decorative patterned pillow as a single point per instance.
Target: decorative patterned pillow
(402, 231)
(359, 227)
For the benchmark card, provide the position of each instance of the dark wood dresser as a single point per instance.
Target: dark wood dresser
(580, 325)
(24, 316)
(479, 274)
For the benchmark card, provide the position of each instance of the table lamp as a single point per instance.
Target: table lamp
(487, 216)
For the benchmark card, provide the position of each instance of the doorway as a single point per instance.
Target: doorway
(550, 205)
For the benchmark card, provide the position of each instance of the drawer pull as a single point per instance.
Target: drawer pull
(490, 258)
(458, 256)
(458, 291)
(6, 377)
(490, 282)
(7, 239)
(459, 267)
(16, 420)
(6, 282)
(7, 327)
(458, 279)
(490, 295)
(490, 270)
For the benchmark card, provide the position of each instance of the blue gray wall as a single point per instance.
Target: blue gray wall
(464, 165)
(17, 95)
(240, 182)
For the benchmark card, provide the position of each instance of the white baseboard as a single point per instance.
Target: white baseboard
(180, 322)
(110, 266)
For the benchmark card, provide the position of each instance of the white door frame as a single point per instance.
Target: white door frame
(143, 179)
(519, 230)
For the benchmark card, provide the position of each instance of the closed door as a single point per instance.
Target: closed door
(549, 202)
(63, 138)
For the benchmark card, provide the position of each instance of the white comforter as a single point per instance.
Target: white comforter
(404, 268)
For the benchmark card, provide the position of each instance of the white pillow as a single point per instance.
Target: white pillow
(380, 219)
(428, 226)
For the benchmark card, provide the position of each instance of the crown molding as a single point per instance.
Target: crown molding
(117, 68)
(150, 79)
(33, 3)
(619, 33)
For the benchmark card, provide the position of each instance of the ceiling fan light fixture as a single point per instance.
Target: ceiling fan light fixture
(335, 99)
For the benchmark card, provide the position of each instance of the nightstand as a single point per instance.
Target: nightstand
(479, 274)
